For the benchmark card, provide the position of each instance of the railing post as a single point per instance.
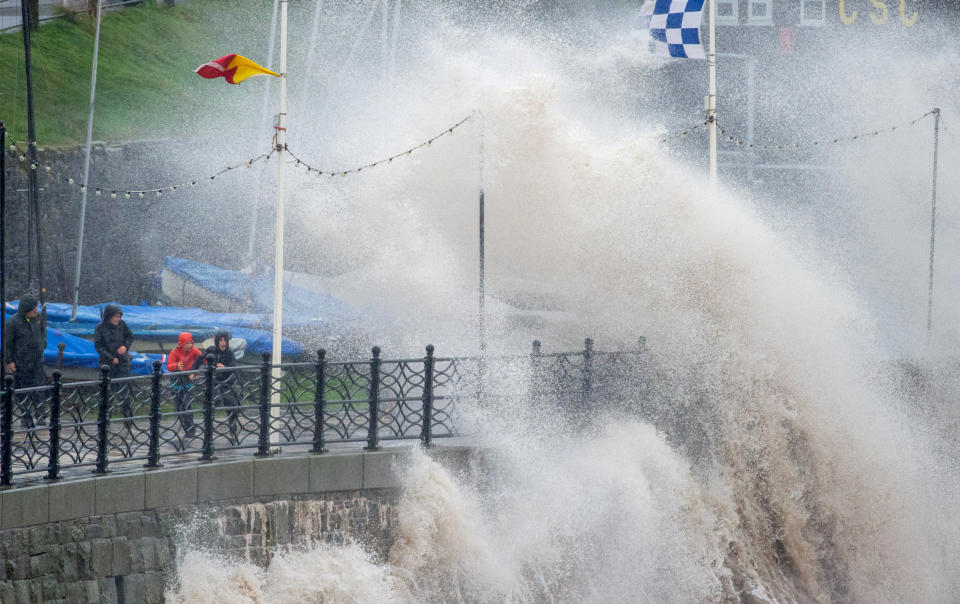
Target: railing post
(153, 451)
(373, 439)
(103, 420)
(319, 403)
(53, 453)
(426, 432)
(6, 428)
(587, 376)
(263, 449)
(207, 449)
(536, 372)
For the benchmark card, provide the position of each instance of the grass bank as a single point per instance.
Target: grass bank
(146, 87)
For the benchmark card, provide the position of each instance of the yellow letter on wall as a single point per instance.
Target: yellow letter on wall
(884, 14)
(847, 19)
(903, 14)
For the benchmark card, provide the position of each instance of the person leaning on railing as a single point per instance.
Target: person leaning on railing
(222, 356)
(112, 338)
(185, 357)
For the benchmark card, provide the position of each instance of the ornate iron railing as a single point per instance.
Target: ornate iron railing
(101, 423)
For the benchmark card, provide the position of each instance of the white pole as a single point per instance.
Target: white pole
(712, 95)
(86, 165)
(751, 111)
(266, 122)
(281, 194)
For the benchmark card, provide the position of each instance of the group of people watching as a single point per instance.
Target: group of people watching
(25, 338)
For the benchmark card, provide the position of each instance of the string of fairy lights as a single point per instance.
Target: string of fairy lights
(728, 137)
(297, 162)
(140, 193)
(682, 133)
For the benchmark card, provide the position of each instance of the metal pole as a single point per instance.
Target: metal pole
(373, 437)
(319, 403)
(712, 94)
(933, 214)
(3, 242)
(207, 447)
(6, 434)
(86, 164)
(153, 450)
(103, 420)
(53, 455)
(32, 150)
(481, 310)
(751, 111)
(281, 195)
(426, 431)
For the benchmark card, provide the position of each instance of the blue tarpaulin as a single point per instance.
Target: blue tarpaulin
(301, 306)
(148, 323)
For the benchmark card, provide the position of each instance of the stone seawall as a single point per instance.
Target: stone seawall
(131, 557)
(115, 538)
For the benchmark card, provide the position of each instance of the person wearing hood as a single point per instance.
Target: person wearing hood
(221, 355)
(112, 339)
(24, 339)
(185, 357)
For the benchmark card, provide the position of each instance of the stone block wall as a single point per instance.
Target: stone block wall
(130, 557)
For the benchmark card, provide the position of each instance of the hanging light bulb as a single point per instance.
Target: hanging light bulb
(126, 195)
(113, 194)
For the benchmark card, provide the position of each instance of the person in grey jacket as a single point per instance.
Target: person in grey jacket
(24, 339)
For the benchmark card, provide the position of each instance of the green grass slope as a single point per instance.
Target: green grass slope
(146, 87)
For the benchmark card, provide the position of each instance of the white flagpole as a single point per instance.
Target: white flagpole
(712, 95)
(86, 165)
(281, 194)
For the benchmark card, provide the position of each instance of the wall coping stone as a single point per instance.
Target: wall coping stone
(145, 489)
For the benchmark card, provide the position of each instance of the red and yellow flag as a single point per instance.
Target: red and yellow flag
(233, 68)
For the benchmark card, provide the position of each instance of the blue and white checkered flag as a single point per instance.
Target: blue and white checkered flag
(674, 27)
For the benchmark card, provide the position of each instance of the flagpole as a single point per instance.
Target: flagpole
(281, 147)
(86, 165)
(712, 95)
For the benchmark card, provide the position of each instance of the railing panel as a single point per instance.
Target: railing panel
(576, 383)
(31, 438)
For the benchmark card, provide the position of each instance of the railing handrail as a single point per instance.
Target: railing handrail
(111, 421)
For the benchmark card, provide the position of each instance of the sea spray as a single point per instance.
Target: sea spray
(765, 463)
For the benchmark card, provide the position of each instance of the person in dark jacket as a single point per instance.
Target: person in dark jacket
(24, 339)
(225, 396)
(112, 339)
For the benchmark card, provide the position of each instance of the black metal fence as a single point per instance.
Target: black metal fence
(144, 419)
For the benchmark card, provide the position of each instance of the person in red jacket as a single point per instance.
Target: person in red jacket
(185, 357)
